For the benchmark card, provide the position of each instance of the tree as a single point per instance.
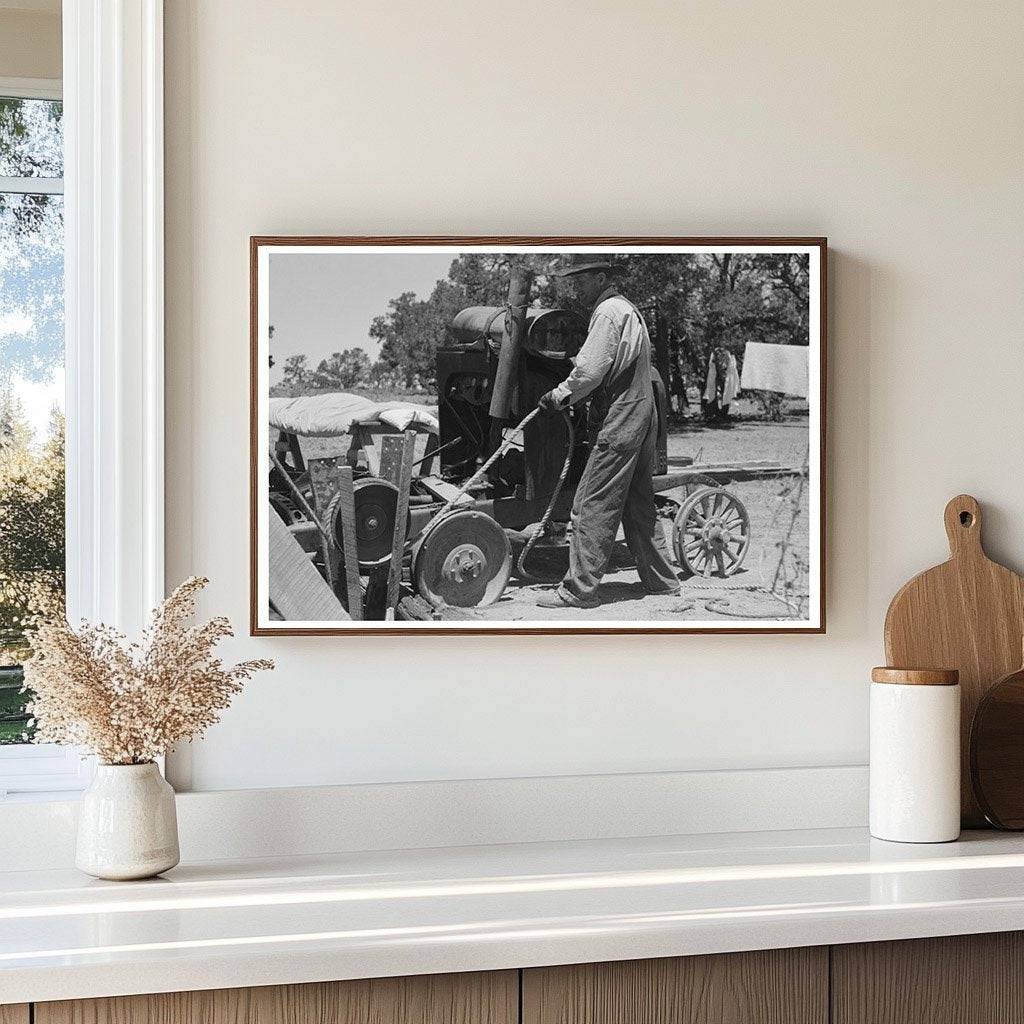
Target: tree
(382, 376)
(702, 299)
(296, 373)
(342, 370)
(411, 332)
(413, 329)
(32, 539)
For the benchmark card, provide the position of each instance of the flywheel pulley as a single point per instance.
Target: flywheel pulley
(376, 505)
(462, 559)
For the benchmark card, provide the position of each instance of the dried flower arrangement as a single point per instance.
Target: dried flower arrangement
(129, 703)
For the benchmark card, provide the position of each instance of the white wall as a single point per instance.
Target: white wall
(30, 39)
(895, 129)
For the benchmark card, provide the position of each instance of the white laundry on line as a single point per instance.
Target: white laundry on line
(782, 368)
(731, 387)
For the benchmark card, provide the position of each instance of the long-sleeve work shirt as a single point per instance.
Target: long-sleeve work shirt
(615, 339)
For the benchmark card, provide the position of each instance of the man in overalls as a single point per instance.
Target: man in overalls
(613, 368)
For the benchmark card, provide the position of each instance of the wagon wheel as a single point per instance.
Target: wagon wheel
(462, 559)
(695, 483)
(711, 533)
(668, 508)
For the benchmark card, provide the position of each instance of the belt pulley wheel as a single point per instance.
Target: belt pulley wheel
(376, 505)
(462, 559)
(711, 533)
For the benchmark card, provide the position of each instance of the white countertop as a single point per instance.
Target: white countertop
(262, 922)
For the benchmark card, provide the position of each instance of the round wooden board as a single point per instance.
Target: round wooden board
(997, 753)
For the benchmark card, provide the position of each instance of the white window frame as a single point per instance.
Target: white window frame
(31, 89)
(114, 324)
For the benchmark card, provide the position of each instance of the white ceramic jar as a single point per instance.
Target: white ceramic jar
(915, 755)
(127, 824)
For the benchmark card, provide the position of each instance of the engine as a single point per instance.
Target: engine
(465, 379)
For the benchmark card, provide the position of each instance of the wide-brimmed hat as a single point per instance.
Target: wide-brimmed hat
(582, 262)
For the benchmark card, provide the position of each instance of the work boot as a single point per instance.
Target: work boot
(558, 598)
(669, 592)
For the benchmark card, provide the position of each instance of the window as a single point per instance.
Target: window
(32, 548)
(91, 171)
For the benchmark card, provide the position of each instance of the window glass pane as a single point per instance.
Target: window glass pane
(31, 432)
(31, 138)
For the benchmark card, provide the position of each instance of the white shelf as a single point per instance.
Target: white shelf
(352, 915)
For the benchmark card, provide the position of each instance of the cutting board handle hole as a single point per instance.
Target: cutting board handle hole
(962, 517)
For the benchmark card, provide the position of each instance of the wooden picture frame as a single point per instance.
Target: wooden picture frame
(343, 588)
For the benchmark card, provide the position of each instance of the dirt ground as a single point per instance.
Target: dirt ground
(741, 595)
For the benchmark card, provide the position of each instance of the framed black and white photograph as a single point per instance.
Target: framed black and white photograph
(537, 435)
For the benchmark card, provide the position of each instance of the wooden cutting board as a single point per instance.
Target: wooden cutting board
(967, 614)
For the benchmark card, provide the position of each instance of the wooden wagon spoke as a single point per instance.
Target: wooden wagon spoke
(711, 533)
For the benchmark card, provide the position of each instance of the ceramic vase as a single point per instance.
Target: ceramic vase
(127, 825)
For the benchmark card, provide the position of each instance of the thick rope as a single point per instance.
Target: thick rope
(542, 526)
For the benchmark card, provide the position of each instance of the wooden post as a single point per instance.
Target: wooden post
(347, 513)
(389, 466)
(367, 445)
(519, 283)
(376, 593)
(296, 450)
(661, 353)
(324, 478)
(678, 384)
(403, 483)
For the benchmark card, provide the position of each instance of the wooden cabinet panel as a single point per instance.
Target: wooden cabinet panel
(14, 1013)
(482, 998)
(779, 986)
(962, 979)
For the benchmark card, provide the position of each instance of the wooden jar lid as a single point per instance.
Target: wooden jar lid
(916, 676)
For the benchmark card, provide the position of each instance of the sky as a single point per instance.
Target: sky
(31, 273)
(38, 399)
(31, 336)
(324, 302)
